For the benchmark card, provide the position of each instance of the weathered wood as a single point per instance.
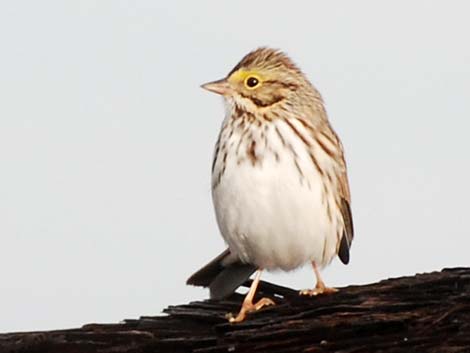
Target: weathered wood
(423, 313)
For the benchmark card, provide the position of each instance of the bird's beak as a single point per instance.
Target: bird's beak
(221, 87)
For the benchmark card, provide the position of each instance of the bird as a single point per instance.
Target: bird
(279, 180)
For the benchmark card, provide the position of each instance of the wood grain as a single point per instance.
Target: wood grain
(422, 313)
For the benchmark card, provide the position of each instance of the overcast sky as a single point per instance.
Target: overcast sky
(106, 143)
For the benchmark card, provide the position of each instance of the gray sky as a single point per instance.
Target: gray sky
(106, 143)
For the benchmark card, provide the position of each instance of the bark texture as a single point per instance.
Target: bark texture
(423, 313)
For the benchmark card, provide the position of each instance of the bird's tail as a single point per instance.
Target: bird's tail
(223, 275)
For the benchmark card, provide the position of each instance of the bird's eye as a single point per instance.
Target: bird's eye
(252, 82)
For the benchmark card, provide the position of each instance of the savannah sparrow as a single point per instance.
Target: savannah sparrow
(279, 181)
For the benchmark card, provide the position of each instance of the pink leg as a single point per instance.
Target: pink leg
(248, 306)
(320, 287)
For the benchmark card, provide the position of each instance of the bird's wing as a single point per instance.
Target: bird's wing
(345, 206)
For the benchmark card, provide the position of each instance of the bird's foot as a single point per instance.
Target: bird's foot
(320, 288)
(249, 307)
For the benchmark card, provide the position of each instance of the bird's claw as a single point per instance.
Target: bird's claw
(320, 288)
(249, 308)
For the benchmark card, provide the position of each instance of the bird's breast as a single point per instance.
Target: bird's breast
(274, 204)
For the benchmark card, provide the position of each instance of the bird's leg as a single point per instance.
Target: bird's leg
(248, 306)
(320, 287)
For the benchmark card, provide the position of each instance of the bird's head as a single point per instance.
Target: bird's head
(264, 79)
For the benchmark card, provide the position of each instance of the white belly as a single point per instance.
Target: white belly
(268, 212)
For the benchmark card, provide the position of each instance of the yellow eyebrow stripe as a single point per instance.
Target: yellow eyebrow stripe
(241, 75)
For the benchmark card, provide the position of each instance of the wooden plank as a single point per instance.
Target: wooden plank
(422, 313)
